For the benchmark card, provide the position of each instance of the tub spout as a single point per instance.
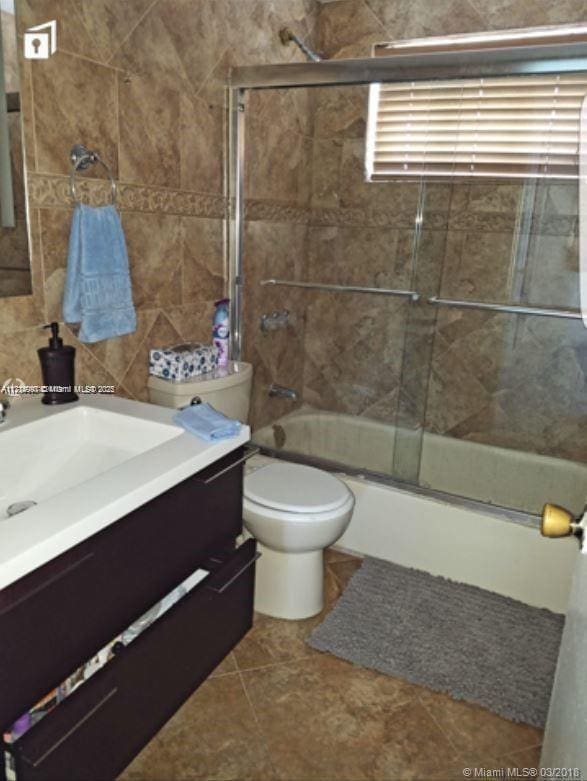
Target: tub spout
(285, 393)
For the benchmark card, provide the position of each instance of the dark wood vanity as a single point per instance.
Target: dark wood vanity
(57, 617)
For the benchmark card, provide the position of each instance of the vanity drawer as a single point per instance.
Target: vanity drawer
(98, 730)
(58, 616)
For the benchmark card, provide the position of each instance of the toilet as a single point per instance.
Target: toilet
(293, 511)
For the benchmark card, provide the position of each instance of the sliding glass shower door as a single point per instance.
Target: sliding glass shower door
(387, 320)
(506, 403)
(337, 254)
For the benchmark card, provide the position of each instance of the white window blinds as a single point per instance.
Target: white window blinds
(494, 127)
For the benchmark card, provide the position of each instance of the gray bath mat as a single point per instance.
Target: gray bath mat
(475, 645)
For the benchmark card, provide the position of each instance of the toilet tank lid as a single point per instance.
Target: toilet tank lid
(295, 488)
(223, 377)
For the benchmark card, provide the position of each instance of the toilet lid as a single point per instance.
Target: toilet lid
(295, 488)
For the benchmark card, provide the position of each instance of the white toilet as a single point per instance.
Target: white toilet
(293, 511)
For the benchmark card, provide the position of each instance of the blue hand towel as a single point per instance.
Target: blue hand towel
(98, 292)
(207, 423)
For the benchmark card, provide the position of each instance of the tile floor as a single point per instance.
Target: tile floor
(277, 709)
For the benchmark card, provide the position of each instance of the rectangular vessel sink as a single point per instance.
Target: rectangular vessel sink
(69, 471)
(52, 454)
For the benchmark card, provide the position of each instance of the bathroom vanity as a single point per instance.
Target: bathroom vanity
(81, 582)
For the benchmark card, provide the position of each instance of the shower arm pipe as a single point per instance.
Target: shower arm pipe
(287, 36)
(381, 291)
(569, 314)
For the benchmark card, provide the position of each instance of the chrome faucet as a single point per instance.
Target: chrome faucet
(283, 392)
(4, 407)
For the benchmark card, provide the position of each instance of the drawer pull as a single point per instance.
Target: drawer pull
(45, 584)
(74, 729)
(221, 589)
(249, 454)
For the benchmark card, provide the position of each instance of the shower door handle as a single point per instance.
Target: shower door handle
(558, 522)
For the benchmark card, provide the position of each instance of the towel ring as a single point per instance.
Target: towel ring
(81, 159)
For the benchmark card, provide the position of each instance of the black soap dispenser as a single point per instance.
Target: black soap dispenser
(57, 365)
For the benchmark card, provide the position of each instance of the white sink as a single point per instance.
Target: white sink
(84, 466)
(52, 454)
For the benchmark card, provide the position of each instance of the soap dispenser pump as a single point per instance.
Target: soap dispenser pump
(57, 366)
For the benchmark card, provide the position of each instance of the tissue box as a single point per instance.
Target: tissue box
(183, 361)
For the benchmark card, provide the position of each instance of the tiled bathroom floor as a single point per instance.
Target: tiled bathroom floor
(277, 709)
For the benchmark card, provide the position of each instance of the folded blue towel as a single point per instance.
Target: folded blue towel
(207, 423)
(98, 291)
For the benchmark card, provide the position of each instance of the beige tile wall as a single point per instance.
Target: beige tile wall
(278, 189)
(480, 376)
(141, 81)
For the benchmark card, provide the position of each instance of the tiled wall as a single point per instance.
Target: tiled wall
(141, 81)
(517, 382)
(361, 234)
(498, 379)
(278, 185)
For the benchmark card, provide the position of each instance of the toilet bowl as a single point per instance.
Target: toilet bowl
(294, 512)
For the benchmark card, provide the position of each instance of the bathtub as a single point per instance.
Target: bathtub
(479, 540)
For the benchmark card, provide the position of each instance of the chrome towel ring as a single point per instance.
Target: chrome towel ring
(81, 159)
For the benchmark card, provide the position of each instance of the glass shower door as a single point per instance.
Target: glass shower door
(337, 254)
(504, 416)
(429, 246)
(438, 392)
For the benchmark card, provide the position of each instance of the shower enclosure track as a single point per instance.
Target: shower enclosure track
(522, 517)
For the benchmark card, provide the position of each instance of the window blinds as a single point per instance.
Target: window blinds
(519, 126)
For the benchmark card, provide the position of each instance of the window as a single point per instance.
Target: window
(519, 126)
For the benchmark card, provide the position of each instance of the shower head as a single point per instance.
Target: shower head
(287, 36)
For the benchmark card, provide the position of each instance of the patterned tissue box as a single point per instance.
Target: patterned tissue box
(183, 361)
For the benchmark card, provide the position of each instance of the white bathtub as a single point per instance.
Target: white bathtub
(474, 543)
(495, 475)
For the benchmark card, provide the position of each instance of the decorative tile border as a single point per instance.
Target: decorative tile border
(273, 211)
(47, 190)
(557, 225)
(374, 218)
(483, 222)
(499, 222)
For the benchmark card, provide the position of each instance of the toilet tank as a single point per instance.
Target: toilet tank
(227, 389)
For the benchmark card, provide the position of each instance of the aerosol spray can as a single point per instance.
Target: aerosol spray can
(221, 330)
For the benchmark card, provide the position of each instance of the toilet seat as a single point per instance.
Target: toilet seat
(296, 489)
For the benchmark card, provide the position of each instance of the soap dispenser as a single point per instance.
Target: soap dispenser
(57, 365)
